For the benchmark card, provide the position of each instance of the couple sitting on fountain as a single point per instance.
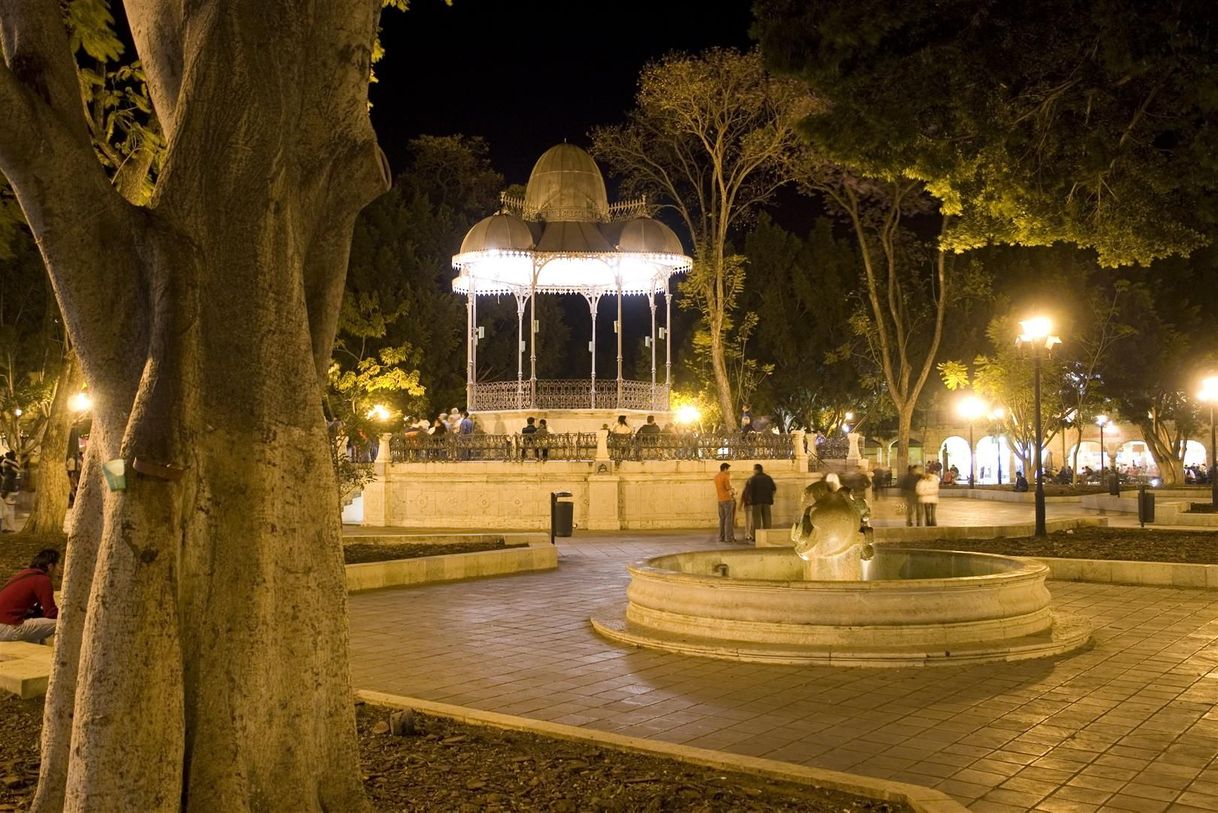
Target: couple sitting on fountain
(833, 532)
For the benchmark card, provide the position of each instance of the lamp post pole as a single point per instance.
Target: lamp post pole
(1040, 473)
(1102, 475)
(1213, 463)
(972, 457)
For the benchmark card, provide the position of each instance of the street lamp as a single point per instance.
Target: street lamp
(1209, 395)
(1038, 334)
(996, 415)
(970, 407)
(1101, 421)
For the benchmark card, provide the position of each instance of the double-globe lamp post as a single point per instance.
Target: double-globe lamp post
(1038, 335)
(970, 407)
(1101, 421)
(1209, 395)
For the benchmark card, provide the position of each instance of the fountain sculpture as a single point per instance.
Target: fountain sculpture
(835, 598)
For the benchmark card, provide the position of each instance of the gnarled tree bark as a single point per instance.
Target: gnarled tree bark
(202, 653)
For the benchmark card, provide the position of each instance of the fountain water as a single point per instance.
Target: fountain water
(836, 599)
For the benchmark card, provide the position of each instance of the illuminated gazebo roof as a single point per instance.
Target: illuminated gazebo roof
(563, 237)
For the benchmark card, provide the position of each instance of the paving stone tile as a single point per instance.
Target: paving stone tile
(1135, 709)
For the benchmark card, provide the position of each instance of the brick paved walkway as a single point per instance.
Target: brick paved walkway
(1128, 725)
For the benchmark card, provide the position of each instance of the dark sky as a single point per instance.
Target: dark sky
(527, 74)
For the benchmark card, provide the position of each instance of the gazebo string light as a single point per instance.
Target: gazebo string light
(563, 237)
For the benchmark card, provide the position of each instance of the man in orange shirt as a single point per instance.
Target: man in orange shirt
(726, 495)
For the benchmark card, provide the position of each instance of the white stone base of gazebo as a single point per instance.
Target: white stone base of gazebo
(511, 421)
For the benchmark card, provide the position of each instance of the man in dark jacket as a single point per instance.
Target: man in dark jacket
(27, 601)
(758, 498)
(909, 484)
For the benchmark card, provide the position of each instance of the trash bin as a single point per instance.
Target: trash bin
(1146, 506)
(562, 514)
(1114, 484)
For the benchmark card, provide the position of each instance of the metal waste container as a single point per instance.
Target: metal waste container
(562, 514)
(1114, 484)
(1146, 506)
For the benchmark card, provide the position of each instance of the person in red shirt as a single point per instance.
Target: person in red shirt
(27, 601)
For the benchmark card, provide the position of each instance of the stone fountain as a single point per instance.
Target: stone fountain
(837, 599)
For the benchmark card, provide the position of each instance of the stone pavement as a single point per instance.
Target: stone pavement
(1130, 724)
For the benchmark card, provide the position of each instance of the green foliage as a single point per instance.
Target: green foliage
(803, 294)
(711, 138)
(1086, 121)
(399, 291)
(91, 29)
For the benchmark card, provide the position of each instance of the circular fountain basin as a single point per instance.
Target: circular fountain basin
(913, 607)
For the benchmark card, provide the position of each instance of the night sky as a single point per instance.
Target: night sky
(527, 74)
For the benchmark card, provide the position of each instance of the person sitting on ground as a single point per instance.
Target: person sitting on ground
(1021, 482)
(27, 601)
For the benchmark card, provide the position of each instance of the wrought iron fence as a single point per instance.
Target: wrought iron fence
(568, 393)
(832, 449)
(581, 446)
(501, 448)
(702, 446)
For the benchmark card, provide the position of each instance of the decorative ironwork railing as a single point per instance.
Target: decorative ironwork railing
(581, 446)
(500, 448)
(832, 449)
(569, 393)
(702, 446)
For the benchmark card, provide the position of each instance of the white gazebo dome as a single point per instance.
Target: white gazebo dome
(566, 184)
(645, 235)
(499, 232)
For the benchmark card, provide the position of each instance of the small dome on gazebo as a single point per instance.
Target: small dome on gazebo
(500, 232)
(648, 236)
(566, 184)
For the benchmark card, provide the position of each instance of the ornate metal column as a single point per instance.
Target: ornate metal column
(533, 340)
(668, 341)
(594, 299)
(469, 351)
(651, 304)
(617, 328)
(520, 300)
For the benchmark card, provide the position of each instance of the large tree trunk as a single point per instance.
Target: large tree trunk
(53, 487)
(904, 426)
(1163, 443)
(723, 385)
(202, 653)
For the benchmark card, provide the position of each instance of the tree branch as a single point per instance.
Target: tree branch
(158, 30)
(36, 49)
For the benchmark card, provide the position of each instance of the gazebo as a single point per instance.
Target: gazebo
(563, 237)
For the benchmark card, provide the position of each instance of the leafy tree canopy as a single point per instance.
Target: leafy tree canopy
(1086, 121)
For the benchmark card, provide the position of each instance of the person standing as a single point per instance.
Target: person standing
(758, 499)
(909, 493)
(928, 499)
(10, 470)
(27, 601)
(726, 497)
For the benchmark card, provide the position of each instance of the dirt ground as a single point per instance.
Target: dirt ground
(446, 766)
(360, 552)
(1122, 544)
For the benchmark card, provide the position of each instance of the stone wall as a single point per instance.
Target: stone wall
(516, 495)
